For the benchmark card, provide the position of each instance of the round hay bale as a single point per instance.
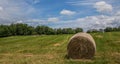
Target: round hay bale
(81, 46)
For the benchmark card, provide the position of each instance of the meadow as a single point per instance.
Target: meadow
(52, 49)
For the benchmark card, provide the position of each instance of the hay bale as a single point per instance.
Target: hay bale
(81, 46)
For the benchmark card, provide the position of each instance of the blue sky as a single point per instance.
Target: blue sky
(87, 14)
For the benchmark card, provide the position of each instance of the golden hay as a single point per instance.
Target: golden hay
(81, 46)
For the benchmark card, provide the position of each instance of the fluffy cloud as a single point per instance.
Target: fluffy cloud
(36, 1)
(102, 6)
(1, 8)
(79, 3)
(97, 22)
(20, 21)
(118, 13)
(11, 11)
(54, 19)
(91, 22)
(67, 12)
(35, 22)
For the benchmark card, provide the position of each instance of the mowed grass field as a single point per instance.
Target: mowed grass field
(51, 49)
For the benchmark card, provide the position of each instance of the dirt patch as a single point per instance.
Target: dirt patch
(117, 41)
(57, 44)
(99, 36)
(27, 55)
(116, 57)
(48, 56)
(83, 60)
(116, 54)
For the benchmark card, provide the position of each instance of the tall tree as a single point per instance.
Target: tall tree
(4, 31)
(108, 29)
(78, 30)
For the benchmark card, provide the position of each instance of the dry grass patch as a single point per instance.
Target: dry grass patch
(99, 36)
(57, 44)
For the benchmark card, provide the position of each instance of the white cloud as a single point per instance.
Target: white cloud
(1, 8)
(67, 12)
(20, 21)
(102, 6)
(97, 22)
(54, 19)
(118, 13)
(36, 1)
(79, 3)
(35, 20)
(11, 11)
(90, 22)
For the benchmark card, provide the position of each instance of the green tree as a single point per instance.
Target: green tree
(21, 29)
(58, 31)
(78, 30)
(70, 31)
(108, 29)
(93, 31)
(44, 30)
(119, 28)
(13, 28)
(30, 30)
(4, 31)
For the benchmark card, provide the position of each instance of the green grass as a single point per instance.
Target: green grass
(51, 49)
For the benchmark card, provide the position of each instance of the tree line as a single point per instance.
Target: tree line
(24, 29)
(107, 29)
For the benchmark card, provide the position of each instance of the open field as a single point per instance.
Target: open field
(51, 49)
